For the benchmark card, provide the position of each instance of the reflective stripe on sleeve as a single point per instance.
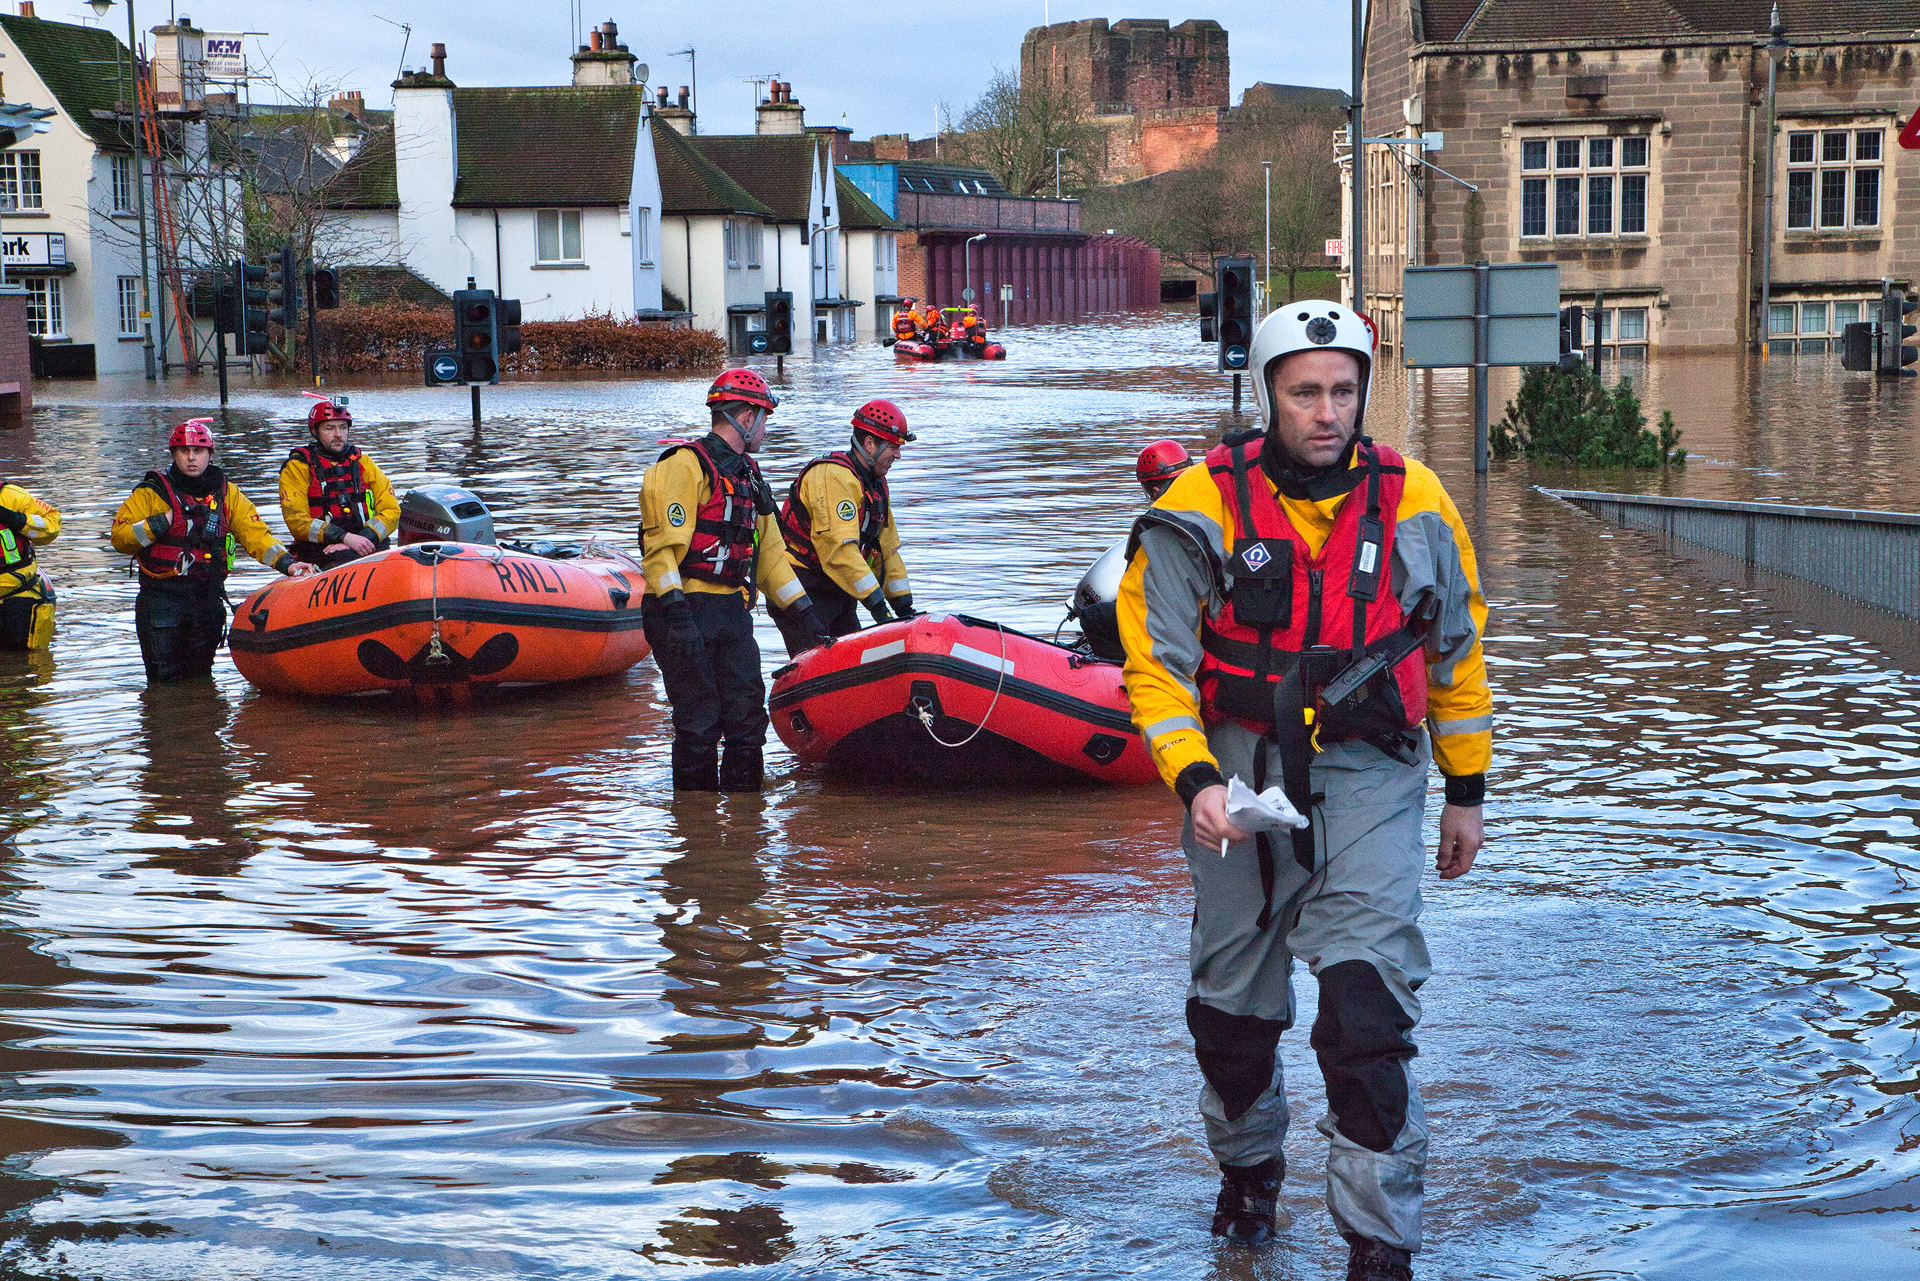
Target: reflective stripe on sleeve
(669, 580)
(1171, 724)
(1470, 725)
(785, 594)
(898, 587)
(142, 534)
(865, 585)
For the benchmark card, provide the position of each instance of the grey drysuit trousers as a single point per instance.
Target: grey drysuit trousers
(1354, 920)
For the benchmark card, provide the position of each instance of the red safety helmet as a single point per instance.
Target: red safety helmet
(326, 411)
(883, 419)
(1161, 461)
(742, 384)
(192, 434)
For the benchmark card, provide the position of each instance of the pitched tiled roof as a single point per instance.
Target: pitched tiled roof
(857, 211)
(368, 180)
(777, 169)
(690, 183)
(77, 65)
(1527, 21)
(551, 145)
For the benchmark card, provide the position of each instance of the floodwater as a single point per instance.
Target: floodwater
(298, 991)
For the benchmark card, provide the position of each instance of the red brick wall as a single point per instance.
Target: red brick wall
(1135, 64)
(16, 381)
(1177, 139)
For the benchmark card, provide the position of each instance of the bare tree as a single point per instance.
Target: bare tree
(1013, 130)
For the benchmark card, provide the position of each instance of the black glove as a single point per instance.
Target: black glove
(157, 526)
(903, 608)
(802, 630)
(877, 606)
(680, 638)
(11, 519)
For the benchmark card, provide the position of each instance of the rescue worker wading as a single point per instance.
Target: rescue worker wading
(181, 527)
(838, 523)
(338, 505)
(710, 540)
(26, 598)
(1256, 584)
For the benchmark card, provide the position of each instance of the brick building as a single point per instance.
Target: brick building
(1628, 142)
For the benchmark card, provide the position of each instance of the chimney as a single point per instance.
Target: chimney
(679, 117)
(439, 62)
(603, 60)
(593, 41)
(349, 103)
(26, 8)
(780, 114)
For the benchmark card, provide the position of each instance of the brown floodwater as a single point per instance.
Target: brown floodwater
(308, 990)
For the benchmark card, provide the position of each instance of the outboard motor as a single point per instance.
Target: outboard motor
(1093, 604)
(444, 514)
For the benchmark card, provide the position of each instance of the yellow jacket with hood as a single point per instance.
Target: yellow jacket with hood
(41, 525)
(296, 477)
(678, 481)
(130, 535)
(1178, 569)
(832, 497)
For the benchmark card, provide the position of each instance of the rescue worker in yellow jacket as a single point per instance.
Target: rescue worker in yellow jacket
(839, 526)
(182, 526)
(338, 504)
(1304, 610)
(710, 543)
(26, 598)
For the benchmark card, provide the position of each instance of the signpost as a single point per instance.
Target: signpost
(1473, 317)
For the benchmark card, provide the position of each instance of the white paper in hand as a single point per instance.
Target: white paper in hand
(1268, 811)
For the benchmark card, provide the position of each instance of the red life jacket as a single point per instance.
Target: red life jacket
(796, 523)
(336, 488)
(725, 546)
(181, 552)
(1322, 613)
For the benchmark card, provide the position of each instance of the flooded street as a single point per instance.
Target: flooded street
(308, 991)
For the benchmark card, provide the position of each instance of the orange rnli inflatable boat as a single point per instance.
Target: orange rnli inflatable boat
(442, 614)
(944, 698)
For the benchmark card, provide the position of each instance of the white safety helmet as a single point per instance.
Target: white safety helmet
(1310, 325)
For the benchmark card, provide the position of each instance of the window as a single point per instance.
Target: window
(1813, 318)
(122, 183)
(46, 318)
(1622, 331)
(730, 241)
(643, 236)
(893, 249)
(755, 230)
(1780, 318)
(129, 293)
(558, 232)
(1844, 314)
(879, 253)
(1599, 186)
(1813, 328)
(1841, 188)
(19, 180)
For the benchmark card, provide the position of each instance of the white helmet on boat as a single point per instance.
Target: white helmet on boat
(1310, 325)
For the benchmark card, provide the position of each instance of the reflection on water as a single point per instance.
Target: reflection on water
(298, 991)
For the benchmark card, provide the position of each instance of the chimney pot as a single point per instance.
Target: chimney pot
(610, 29)
(663, 95)
(593, 39)
(26, 8)
(440, 62)
(683, 96)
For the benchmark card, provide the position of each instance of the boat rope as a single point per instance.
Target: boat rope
(436, 652)
(925, 713)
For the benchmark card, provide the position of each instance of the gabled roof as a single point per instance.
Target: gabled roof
(367, 181)
(549, 145)
(1527, 21)
(857, 211)
(917, 175)
(690, 183)
(77, 65)
(776, 169)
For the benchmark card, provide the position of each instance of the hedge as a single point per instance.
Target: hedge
(394, 337)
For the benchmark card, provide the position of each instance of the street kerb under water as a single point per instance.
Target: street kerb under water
(298, 988)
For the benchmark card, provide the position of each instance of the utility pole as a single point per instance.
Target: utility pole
(1056, 170)
(1776, 46)
(149, 293)
(1356, 242)
(1266, 277)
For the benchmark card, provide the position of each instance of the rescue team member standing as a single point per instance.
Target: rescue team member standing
(181, 528)
(26, 598)
(1255, 586)
(906, 322)
(839, 528)
(710, 539)
(1158, 464)
(338, 505)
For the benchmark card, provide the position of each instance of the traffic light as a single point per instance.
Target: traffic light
(779, 322)
(325, 289)
(1857, 347)
(1233, 278)
(253, 308)
(509, 328)
(1895, 355)
(1209, 313)
(283, 291)
(476, 332)
(226, 305)
(1572, 335)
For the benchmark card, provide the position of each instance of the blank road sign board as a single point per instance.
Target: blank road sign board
(1523, 315)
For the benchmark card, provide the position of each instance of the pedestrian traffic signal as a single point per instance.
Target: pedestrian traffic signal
(283, 291)
(779, 322)
(1233, 279)
(476, 324)
(1572, 335)
(1209, 314)
(509, 326)
(325, 289)
(253, 298)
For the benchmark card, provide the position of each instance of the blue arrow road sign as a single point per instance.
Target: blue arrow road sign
(446, 369)
(1234, 357)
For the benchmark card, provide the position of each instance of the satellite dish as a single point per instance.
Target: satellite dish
(640, 74)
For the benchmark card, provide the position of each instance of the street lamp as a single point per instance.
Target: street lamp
(966, 294)
(1775, 47)
(1056, 170)
(100, 8)
(1266, 278)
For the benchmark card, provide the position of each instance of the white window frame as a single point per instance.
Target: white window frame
(120, 170)
(730, 243)
(46, 309)
(20, 184)
(1787, 322)
(1600, 176)
(127, 292)
(1610, 330)
(1808, 178)
(560, 221)
(643, 236)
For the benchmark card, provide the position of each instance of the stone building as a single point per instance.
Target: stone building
(1628, 142)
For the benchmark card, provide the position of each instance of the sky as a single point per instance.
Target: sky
(875, 68)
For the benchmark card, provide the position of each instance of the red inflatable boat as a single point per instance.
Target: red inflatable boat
(913, 349)
(944, 698)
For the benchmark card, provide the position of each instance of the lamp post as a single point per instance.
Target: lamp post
(148, 294)
(1776, 46)
(1266, 277)
(1356, 245)
(966, 294)
(1056, 170)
